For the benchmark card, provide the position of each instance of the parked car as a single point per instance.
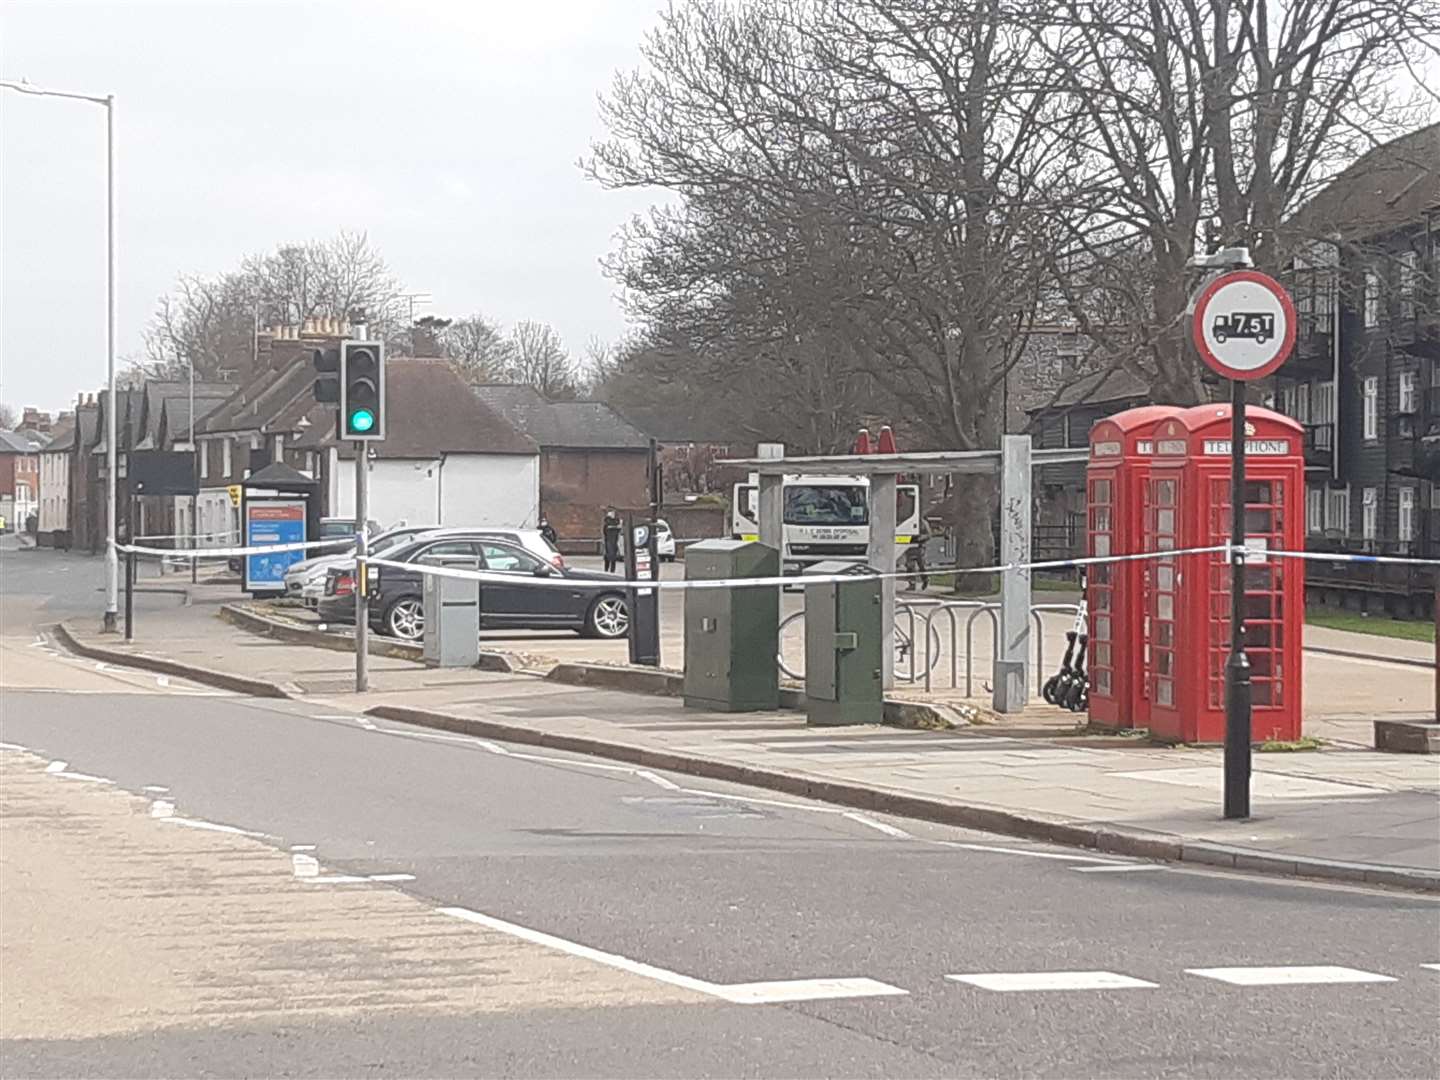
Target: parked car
(313, 569)
(592, 603)
(664, 541)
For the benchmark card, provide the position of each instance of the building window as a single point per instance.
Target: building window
(1337, 511)
(1315, 509)
(1371, 414)
(279, 454)
(1407, 392)
(225, 458)
(204, 451)
(1405, 523)
(1372, 299)
(1369, 513)
(1323, 403)
(1302, 402)
(1409, 281)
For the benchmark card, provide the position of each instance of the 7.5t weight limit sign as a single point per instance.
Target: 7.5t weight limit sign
(1244, 324)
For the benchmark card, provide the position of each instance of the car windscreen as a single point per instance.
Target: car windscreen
(826, 504)
(331, 530)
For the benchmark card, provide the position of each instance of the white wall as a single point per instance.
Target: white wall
(54, 491)
(459, 489)
(491, 489)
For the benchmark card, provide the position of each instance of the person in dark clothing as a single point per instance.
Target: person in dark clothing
(915, 560)
(548, 532)
(611, 532)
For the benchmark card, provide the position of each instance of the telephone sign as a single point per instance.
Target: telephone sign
(1244, 324)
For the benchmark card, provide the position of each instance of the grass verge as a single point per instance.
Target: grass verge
(1379, 625)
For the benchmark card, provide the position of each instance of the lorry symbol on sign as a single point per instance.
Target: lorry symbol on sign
(1257, 326)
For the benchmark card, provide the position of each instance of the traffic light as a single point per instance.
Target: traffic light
(327, 366)
(362, 390)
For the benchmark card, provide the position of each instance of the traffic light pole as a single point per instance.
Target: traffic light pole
(362, 569)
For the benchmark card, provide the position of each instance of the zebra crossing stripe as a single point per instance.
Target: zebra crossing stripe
(1051, 980)
(1288, 976)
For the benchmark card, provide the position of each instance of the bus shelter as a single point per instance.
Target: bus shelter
(1013, 463)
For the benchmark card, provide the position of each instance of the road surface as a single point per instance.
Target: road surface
(196, 883)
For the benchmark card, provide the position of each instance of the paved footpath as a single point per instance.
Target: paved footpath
(1334, 812)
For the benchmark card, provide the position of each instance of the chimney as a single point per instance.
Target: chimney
(34, 419)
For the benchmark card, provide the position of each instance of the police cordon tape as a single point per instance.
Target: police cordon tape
(1246, 554)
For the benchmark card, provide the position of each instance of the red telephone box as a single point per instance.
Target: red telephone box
(1121, 449)
(1187, 505)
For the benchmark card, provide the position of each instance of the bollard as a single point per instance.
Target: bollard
(129, 596)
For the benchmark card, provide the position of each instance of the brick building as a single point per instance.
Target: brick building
(590, 457)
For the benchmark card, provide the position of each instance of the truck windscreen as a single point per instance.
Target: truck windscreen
(825, 504)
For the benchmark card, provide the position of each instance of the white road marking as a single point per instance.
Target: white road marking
(756, 993)
(1052, 980)
(1432, 967)
(57, 766)
(10, 746)
(1031, 854)
(1288, 976)
(881, 826)
(162, 808)
(155, 789)
(1120, 868)
(197, 823)
(68, 775)
(305, 866)
(657, 780)
(302, 847)
(392, 877)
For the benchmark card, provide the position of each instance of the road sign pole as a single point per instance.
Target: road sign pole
(1237, 667)
(362, 570)
(1243, 325)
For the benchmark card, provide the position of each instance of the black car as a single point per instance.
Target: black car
(590, 602)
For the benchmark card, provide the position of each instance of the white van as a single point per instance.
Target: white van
(824, 517)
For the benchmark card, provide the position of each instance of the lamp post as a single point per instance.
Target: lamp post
(112, 560)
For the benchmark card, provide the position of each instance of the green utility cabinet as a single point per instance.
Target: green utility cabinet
(732, 635)
(844, 680)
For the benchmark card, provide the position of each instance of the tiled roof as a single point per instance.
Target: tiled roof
(433, 411)
(1390, 186)
(62, 435)
(577, 425)
(17, 442)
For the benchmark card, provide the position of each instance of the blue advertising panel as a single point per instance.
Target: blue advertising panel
(272, 521)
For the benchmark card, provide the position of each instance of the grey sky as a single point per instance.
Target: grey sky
(448, 131)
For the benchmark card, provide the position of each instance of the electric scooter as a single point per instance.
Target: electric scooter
(1053, 685)
(1076, 694)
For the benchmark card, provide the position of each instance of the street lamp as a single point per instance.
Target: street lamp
(112, 559)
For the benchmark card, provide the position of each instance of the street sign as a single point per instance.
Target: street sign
(1244, 324)
(234, 491)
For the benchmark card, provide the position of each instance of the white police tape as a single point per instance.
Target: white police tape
(226, 552)
(861, 571)
(190, 536)
(560, 581)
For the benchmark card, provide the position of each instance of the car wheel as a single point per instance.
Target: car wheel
(405, 619)
(608, 617)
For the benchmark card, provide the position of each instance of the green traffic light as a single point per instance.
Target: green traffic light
(362, 420)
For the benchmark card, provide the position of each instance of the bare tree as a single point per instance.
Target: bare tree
(538, 358)
(477, 348)
(855, 236)
(1199, 122)
(212, 322)
(8, 417)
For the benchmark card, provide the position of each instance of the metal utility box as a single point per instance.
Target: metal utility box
(844, 676)
(732, 635)
(452, 617)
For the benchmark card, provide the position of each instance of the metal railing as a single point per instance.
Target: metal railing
(923, 613)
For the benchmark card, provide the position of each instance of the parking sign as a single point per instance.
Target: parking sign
(1244, 325)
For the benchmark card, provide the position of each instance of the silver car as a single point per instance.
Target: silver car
(301, 577)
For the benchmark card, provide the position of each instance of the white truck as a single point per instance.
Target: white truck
(823, 517)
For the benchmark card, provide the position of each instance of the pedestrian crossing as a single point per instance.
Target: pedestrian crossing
(1291, 975)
